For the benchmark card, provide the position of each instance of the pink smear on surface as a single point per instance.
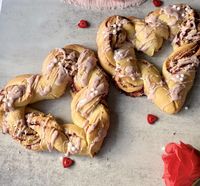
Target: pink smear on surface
(110, 4)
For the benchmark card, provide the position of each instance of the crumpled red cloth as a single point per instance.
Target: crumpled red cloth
(181, 164)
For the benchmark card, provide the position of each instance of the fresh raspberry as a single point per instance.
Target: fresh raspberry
(151, 118)
(67, 162)
(157, 3)
(83, 24)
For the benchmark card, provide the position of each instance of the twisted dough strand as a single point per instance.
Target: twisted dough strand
(73, 66)
(118, 37)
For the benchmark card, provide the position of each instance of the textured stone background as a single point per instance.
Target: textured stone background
(131, 154)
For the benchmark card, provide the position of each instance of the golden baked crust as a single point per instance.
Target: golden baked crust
(74, 66)
(118, 37)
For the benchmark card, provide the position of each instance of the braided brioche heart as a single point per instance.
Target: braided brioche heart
(72, 66)
(118, 37)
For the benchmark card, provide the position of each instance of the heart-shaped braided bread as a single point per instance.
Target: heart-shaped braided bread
(118, 37)
(74, 66)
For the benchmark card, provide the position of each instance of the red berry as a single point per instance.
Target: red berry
(157, 3)
(83, 24)
(67, 162)
(151, 118)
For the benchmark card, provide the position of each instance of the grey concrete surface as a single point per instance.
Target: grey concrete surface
(131, 155)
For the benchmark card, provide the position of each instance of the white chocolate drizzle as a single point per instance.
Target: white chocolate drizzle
(120, 54)
(74, 145)
(127, 71)
(11, 95)
(98, 89)
(32, 81)
(101, 135)
(185, 64)
(175, 91)
(188, 32)
(85, 65)
(178, 12)
(45, 90)
(152, 87)
(153, 21)
(62, 75)
(32, 120)
(64, 64)
(92, 127)
(51, 65)
(54, 136)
